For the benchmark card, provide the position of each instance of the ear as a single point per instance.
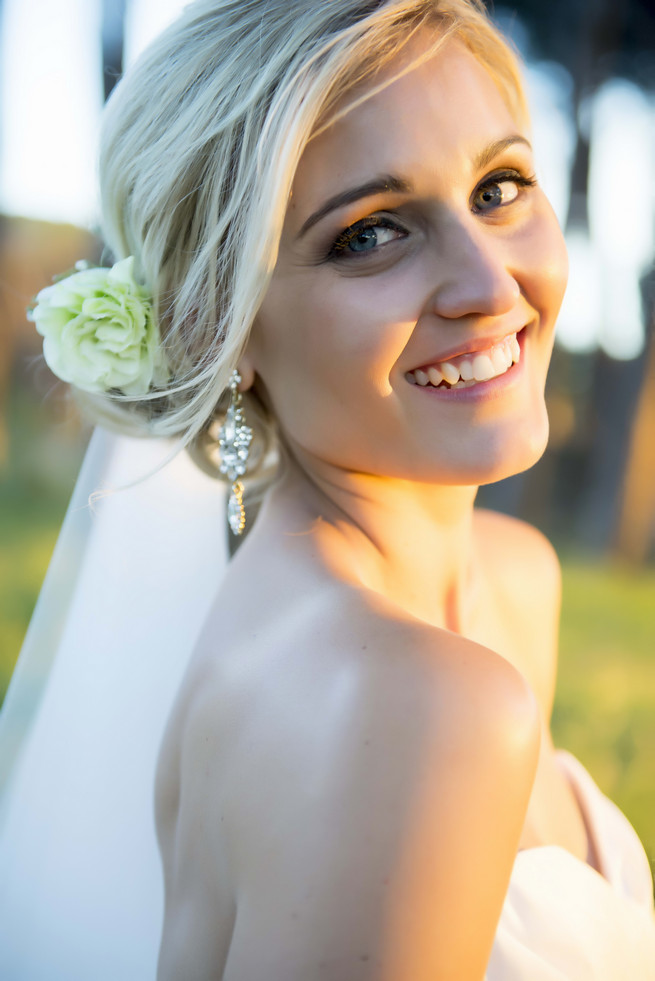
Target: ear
(246, 369)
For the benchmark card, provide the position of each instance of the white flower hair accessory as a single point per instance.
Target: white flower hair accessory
(99, 330)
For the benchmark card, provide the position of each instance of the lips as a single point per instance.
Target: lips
(467, 370)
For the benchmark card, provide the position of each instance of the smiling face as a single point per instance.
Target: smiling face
(415, 247)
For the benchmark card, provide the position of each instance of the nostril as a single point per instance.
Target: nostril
(476, 276)
(468, 302)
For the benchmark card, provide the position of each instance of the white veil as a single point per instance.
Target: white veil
(127, 591)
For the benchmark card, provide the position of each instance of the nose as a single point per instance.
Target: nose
(474, 273)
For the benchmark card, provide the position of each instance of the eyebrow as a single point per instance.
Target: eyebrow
(388, 184)
(494, 150)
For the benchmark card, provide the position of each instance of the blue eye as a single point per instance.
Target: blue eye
(500, 190)
(364, 241)
(366, 236)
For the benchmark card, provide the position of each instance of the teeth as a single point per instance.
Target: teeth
(483, 369)
(499, 359)
(449, 371)
(464, 372)
(508, 353)
(435, 376)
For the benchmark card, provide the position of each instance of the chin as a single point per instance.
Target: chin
(505, 455)
(510, 469)
(521, 461)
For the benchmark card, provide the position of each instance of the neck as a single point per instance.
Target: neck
(411, 543)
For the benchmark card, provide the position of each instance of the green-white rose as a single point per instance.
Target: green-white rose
(99, 331)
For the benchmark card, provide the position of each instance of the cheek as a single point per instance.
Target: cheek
(293, 350)
(334, 331)
(368, 323)
(545, 262)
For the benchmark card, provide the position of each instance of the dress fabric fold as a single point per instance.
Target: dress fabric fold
(564, 921)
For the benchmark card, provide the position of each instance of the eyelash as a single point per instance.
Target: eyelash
(506, 176)
(340, 244)
(338, 248)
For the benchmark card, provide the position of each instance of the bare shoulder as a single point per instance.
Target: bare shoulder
(389, 775)
(524, 576)
(526, 560)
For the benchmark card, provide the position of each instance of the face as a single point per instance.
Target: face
(409, 323)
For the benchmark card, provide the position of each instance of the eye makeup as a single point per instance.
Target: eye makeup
(363, 237)
(490, 202)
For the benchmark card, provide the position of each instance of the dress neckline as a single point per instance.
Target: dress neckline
(570, 768)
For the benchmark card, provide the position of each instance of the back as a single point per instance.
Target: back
(350, 795)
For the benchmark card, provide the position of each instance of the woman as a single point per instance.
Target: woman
(335, 212)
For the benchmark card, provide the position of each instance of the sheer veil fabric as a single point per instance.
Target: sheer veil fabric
(127, 592)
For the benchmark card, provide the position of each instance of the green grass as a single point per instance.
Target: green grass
(45, 450)
(605, 705)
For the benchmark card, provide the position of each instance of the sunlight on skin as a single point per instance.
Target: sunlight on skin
(344, 329)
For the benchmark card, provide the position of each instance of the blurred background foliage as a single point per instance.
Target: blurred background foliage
(592, 78)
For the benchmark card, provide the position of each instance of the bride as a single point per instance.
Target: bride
(328, 224)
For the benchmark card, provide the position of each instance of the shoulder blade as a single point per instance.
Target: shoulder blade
(390, 853)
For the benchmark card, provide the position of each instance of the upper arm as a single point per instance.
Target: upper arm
(404, 834)
(198, 899)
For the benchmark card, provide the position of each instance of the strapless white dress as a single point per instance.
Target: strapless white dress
(81, 893)
(562, 920)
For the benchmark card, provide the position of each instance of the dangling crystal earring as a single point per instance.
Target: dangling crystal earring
(234, 442)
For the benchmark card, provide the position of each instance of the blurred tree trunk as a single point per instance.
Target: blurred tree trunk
(5, 359)
(635, 533)
(113, 42)
(636, 525)
(601, 34)
(615, 392)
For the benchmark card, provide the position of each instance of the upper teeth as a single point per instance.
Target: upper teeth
(466, 370)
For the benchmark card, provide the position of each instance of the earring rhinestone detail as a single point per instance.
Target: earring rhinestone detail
(234, 440)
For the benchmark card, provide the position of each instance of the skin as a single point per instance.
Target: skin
(361, 743)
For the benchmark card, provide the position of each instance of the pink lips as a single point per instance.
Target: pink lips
(482, 362)
(476, 344)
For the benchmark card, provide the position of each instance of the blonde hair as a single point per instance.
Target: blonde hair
(200, 145)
